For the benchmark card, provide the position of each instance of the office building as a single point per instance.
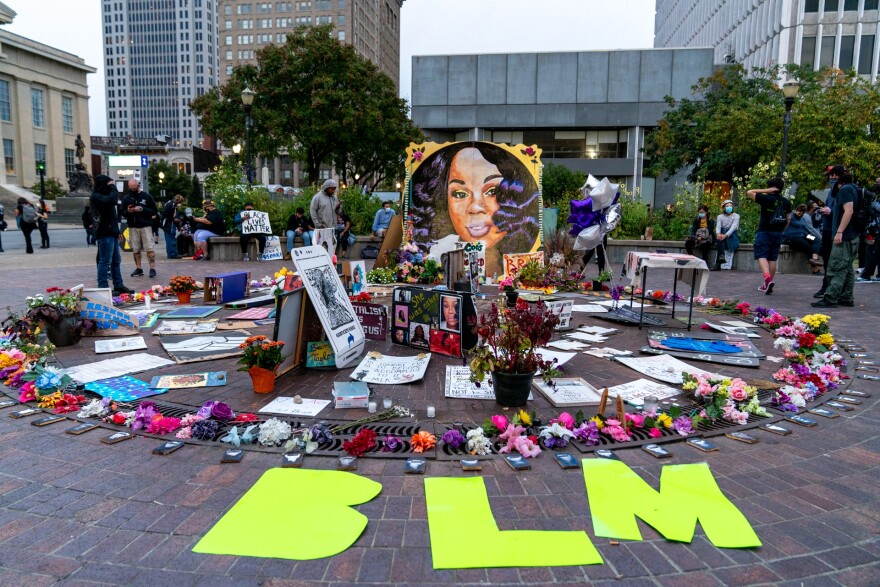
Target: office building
(589, 111)
(44, 105)
(159, 56)
(761, 33)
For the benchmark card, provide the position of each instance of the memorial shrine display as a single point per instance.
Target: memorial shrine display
(434, 320)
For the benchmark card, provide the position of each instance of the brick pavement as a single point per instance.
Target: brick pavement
(76, 512)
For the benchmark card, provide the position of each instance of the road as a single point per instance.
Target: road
(66, 237)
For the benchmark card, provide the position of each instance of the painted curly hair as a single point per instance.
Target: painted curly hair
(518, 198)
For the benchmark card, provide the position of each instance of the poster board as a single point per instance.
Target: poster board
(459, 385)
(435, 320)
(103, 295)
(190, 349)
(110, 321)
(178, 327)
(287, 406)
(190, 381)
(289, 307)
(514, 262)
(387, 370)
(373, 319)
(661, 367)
(227, 287)
(319, 355)
(135, 363)
(272, 251)
(563, 309)
(120, 345)
(331, 304)
(326, 238)
(254, 222)
(392, 241)
(635, 392)
(569, 391)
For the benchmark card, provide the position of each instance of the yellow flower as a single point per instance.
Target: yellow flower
(825, 340)
(599, 423)
(664, 420)
(524, 418)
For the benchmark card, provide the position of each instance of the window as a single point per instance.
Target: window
(808, 50)
(866, 54)
(340, 20)
(227, 9)
(870, 5)
(851, 4)
(831, 5)
(5, 110)
(826, 51)
(67, 113)
(811, 6)
(37, 107)
(69, 166)
(847, 47)
(341, 35)
(9, 155)
(341, 4)
(39, 152)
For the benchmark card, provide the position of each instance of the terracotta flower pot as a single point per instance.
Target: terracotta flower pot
(184, 297)
(512, 389)
(263, 379)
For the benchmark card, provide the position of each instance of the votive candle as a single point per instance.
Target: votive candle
(431, 412)
(386, 403)
(371, 407)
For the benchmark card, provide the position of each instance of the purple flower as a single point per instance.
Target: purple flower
(143, 415)
(454, 438)
(321, 433)
(205, 410)
(222, 411)
(588, 432)
(617, 292)
(683, 425)
(553, 442)
(205, 429)
(390, 443)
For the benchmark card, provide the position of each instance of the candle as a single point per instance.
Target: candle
(651, 403)
(371, 407)
(147, 300)
(386, 403)
(431, 412)
(603, 401)
(458, 425)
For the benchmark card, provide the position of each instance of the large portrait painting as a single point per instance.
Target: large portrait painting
(474, 192)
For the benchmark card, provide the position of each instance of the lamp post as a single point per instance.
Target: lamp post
(790, 91)
(161, 183)
(247, 99)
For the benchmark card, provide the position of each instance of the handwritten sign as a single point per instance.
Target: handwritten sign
(378, 368)
(320, 354)
(460, 386)
(563, 309)
(635, 392)
(373, 319)
(272, 252)
(514, 262)
(253, 222)
(479, 249)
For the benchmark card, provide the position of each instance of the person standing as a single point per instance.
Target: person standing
(323, 206)
(833, 172)
(103, 204)
(775, 215)
(27, 216)
(244, 239)
(43, 223)
(2, 226)
(726, 235)
(140, 208)
(89, 226)
(169, 227)
(839, 273)
(299, 225)
(382, 220)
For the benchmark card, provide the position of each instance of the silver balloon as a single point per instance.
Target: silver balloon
(588, 185)
(603, 194)
(588, 238)
(612, 218)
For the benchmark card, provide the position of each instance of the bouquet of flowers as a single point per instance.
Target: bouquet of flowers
(730, 399)
(258, 352)
(182, 284)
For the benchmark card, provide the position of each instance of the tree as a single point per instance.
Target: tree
(54, 188)
(734, 125)
(173, 183)
(318, 101)
(558, 181)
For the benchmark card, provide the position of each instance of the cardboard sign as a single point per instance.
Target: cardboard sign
(373, 319)
(254, 222)
(563, 309)
(272, 252)
(331, 303)
(514, 262)
(326, 238)
(378, 368)
(474, 252)
(111, 322)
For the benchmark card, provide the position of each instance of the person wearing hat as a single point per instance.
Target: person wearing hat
(324, 205)
(103, 205)
(833, 172)
(211, 225)
(726, 235)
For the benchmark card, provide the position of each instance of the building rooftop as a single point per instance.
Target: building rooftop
(13, 40)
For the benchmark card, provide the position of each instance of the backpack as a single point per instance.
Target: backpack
(863, 212)
(780, 218)
(28, 214)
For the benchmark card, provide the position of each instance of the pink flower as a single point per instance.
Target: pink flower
(637, 420)
(704, 389)
(511, 431)
(566, 420)
(417, 155)
(738, 394)
(704, 326)
(526, 447)
(28, 392)
(655, 433)
(500, 422)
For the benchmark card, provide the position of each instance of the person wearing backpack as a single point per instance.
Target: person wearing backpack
(775, 215)
(839, 273)
(27, 215)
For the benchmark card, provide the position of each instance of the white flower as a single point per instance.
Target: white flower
(784, 343)
(556, 430)
(273, 431)
(477, 443)
(92, 409)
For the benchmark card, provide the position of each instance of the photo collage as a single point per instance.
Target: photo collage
(432, 320)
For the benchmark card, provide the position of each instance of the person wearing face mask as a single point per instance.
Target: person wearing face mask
(702, 233)
(726, 235)
(103, 205)
(833, 172)
(800, 235)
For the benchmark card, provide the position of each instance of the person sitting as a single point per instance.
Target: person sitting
(211, 225)
(383, 219)
(702, 233)
(186, 227)
(244, 239)
(726, 235)
(343, 231)
(299, 225)
(800, 235)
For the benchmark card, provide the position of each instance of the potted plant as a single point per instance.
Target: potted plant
(603, 277)
(59, 316)
(183, 286)
(261, 359)
(532, 274)
(508, 349)
(507, 286)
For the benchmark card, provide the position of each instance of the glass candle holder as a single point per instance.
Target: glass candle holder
(651, 403)
(431, 412)
(386, 403)
(371, 407)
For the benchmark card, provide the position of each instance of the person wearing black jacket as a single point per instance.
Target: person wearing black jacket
(702, 233)
(169, 228)
(43, 223)
(87, 223)
(210, 225)
(103, 204)
(139, 208)
(299, 225)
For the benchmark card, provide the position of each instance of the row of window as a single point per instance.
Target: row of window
(39, 155)
(576, 144)
(266, 7)
(847, 56)
(834, 5)
(38, 113)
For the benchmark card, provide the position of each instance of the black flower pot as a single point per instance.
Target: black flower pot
(512, 297)
(512, 389)
(597, 286)
(62, 333)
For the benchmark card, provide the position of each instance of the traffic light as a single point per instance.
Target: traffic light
(41, 167)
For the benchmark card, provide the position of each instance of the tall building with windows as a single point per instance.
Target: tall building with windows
(760, 33)
(372, 27)
(159, 55)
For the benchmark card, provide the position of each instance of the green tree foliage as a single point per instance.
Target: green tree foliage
(195, 195)
(320, 102)
(558, 182)
(173, 183)
(54, 188)
(734, 123)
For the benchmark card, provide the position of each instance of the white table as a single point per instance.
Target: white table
(688, 269)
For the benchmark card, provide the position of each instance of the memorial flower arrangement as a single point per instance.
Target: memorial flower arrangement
(382, 275)
(507, 285)
(58, 314)
(390, 443)
(363, 441)
(362, 297)
(258, 352)
(478, 443)
(454, 439)
(273, 432)
(422, 441)
(309, 439)
(516, 439)
(769, 317)
(723, 398)
(413, 265)
(182, 284)
(732, 307)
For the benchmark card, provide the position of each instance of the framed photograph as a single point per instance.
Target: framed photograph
(402, 295)
(450, 313)
(445, 343)
(419, 335)
(401, 316)
(400, 335)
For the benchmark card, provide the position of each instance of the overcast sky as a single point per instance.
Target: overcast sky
(428, 27)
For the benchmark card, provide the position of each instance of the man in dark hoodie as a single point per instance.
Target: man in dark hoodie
(103, 204)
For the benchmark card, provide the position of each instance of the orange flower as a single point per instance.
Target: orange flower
(423, 441)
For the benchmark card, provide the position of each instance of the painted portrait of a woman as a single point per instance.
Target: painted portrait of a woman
(480, 192)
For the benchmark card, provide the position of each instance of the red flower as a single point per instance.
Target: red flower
(806, 340)
(363, 441)
(118, 418)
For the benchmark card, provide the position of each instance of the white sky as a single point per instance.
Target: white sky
(428, 27)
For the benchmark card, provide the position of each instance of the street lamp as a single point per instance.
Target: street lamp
(247, 99)
(236, 149)
(790, 91)
(162, 181)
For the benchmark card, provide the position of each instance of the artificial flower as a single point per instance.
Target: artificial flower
(272, 432)
(615, 430)
(598, 422)
(477, 443)
(163, 425)
(454, 439)
(222, 411)
(655, 433)
(500, 422)
(28, 393)
(391, 443)
(524, 418)
(422, 441)
(556, 435)
(683, 425)
(364, 440)
(588, 432)
(205, 429)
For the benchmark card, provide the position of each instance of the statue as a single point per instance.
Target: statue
(80, 149)
(80, 182)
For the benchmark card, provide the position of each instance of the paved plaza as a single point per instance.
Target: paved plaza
(74, 511)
